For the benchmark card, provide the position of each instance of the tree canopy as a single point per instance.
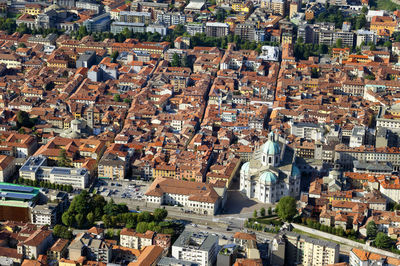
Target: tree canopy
(286, 208)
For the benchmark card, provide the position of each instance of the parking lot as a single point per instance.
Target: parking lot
(121, 189)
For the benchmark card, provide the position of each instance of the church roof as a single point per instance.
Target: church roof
(267, 177)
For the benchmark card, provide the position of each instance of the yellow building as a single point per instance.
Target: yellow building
(164, 170)
(242, 6)
(380, 23)
(33, 9)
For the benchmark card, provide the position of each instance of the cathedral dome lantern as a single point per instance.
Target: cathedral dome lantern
(271, 151)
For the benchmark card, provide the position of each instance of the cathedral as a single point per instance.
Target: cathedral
(271, 173)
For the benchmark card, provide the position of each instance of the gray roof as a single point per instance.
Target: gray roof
(308, 239)
(195, 240)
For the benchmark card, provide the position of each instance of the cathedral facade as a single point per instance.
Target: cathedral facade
(271, 173)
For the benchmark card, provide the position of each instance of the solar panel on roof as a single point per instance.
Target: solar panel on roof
(63, 171)
(16, 188)
(16, 195)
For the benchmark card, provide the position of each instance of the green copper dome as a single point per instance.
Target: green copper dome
(268, 177)
(245, 167)
(295, 171)
(271, 147)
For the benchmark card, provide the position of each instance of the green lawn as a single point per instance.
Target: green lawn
(386, 5)
(313, 236)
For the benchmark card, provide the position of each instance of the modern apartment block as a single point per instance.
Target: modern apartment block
(217, 29)
(196, 247)
(289, 248)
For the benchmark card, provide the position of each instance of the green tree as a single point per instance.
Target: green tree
(117, 97)
(388, 44)
(160, 214)
(176, 60)
(262, 212)
(23, 120)
(114, 56)
(62, 232)
(221, 15)
(63, 160)
(364, 10)
(286, 208)
(145, 217)
(142, 227)
(372, 230)
(382, 240)
(90, 218)
(339, 43)
(68, 219)
(269, 211)
(80, 220)
(255, 214)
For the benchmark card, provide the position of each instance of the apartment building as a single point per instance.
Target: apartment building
(58, 250)
(112, 167)
(36, 243)
(135, 17)
(365, 36)
(246, 31)
(194, 28)
(169, 18)
(217, 29)
(278, 7)
(35, 168)
(7, 167)
(131, 239)
(44, 214)
(289, 248)
(196, 247)
(92, 246)
(17, 145)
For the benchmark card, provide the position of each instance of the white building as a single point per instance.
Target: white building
(357, 136)
(271, 173)
(197, 197)
(269, 53)
(359, 257)
(365, 36)
(35, 168)
(44, 214)
(196, 247)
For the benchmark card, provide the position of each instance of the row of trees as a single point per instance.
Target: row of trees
(339, 231)
(44, 184)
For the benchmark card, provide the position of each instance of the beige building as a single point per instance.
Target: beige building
(36, 244)
(58, 250)
(7, 167)
(295, 249)
(131, 239)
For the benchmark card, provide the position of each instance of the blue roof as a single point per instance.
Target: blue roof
(16, 188)
(268, 177)
(17, 195)
(295, 171)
